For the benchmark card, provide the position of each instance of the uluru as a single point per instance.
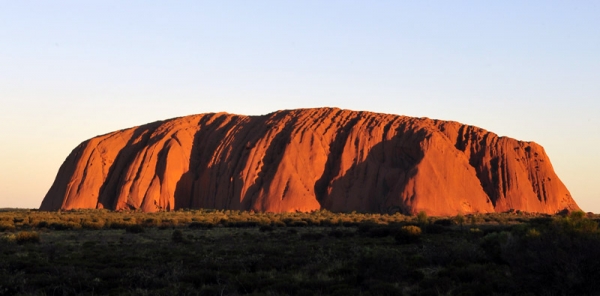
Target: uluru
(306, 160)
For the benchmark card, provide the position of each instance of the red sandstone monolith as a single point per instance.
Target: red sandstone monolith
(309, 159)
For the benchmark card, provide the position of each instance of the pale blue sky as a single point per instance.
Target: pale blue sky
(70, 70)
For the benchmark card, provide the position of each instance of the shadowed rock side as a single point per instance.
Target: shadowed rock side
(308, 159)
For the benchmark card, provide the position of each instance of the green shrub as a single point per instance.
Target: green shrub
(475, 232)
(201, 225)
(411, 230)
(577, 222)
(338, 233)
(312, 221)
(542, 221)
(297, 224)
(379, 231)
(42, 224)
(93, 225)
(580, 223)
(279, 223)
(135, 228)
(472, 219)
(64, 225)
(265, 228)
(6, 225)
(151, 222)
(350, 223)
(366, 226)
(408, 234)
(380, 288)
(532, 232)
(559, 262)
(118, 225)
(312, 236)
(25, 237)
(242, 224)
(460, 220)
(10, 237)
(177, 236)
(443, 222)
(422, 218)
(328, 222)
(436, 228)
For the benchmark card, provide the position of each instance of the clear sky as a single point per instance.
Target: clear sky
(71, 70)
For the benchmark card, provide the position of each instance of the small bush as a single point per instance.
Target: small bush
(42, 224)
(460, 220)
(312, 236)
(338, 233)
(365, 227)
(92, 225)
(379, 231)
(577, 222)
(135, 228)
(177, 236)
(200, 225)
(411, 230)
(117, 225)
(436, 228)
(580, 223)
(542, 221)
(279, 224)
(10, 238)
(65, 225)
(242, 224)
(476, 232)
(151, 222)
(422, 218)
(25, 237)
(6, 225)
(265, 228)
(492, 244)
(444, 222)
(350, 223)
(532, 232)
(328, 222)
(297, 224)
(408, 234)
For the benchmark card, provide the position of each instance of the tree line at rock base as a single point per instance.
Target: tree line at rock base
(222, 252)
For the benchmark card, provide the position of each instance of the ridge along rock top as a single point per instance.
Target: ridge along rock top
(306, 160)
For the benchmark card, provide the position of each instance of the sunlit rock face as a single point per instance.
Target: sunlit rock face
(305, 160)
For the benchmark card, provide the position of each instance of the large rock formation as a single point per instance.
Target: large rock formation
(309, 159)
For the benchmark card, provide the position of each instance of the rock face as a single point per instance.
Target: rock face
(305, 160)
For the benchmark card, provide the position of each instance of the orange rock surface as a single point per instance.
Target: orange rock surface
(305, 160)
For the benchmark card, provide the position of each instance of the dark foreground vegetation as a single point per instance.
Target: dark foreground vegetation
(202, 252)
